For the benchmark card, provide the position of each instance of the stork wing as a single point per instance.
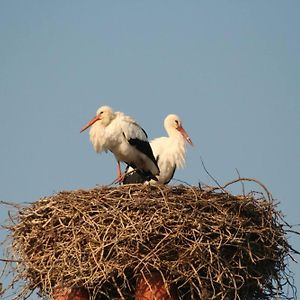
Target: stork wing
(131, 128)
(144, 147)
(136, 136)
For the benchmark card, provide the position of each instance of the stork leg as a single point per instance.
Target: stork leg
(121, 176)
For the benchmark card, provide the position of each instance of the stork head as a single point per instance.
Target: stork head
(173, 122)
(104, 115)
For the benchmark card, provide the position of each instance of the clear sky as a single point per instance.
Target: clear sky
(230, 69)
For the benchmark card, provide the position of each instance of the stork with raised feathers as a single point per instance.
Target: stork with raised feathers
(169, 152)
(120, 134)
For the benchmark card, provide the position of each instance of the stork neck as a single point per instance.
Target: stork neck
(173, 133)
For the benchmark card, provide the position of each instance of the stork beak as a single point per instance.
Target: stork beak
(90, 123)
(185, 135)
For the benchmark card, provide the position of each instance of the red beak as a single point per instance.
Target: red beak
(185, 135)
(90, 123)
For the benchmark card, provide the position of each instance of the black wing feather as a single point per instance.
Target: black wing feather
(134, 177)
(144, 147)
(137, 176)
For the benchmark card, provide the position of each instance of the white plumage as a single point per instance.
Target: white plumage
(169, 152)
(120, 134)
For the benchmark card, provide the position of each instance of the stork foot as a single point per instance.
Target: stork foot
(120, 179)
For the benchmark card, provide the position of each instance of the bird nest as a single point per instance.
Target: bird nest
(206, 241)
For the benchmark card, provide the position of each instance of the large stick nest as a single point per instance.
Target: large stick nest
(211, 244)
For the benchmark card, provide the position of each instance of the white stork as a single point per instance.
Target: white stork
(169, 152)
(120, 134)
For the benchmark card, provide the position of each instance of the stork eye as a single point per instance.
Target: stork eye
(177, 123)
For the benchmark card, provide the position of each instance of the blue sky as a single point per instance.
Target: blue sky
(230, 69)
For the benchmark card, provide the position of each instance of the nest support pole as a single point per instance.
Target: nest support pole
(71, 294)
